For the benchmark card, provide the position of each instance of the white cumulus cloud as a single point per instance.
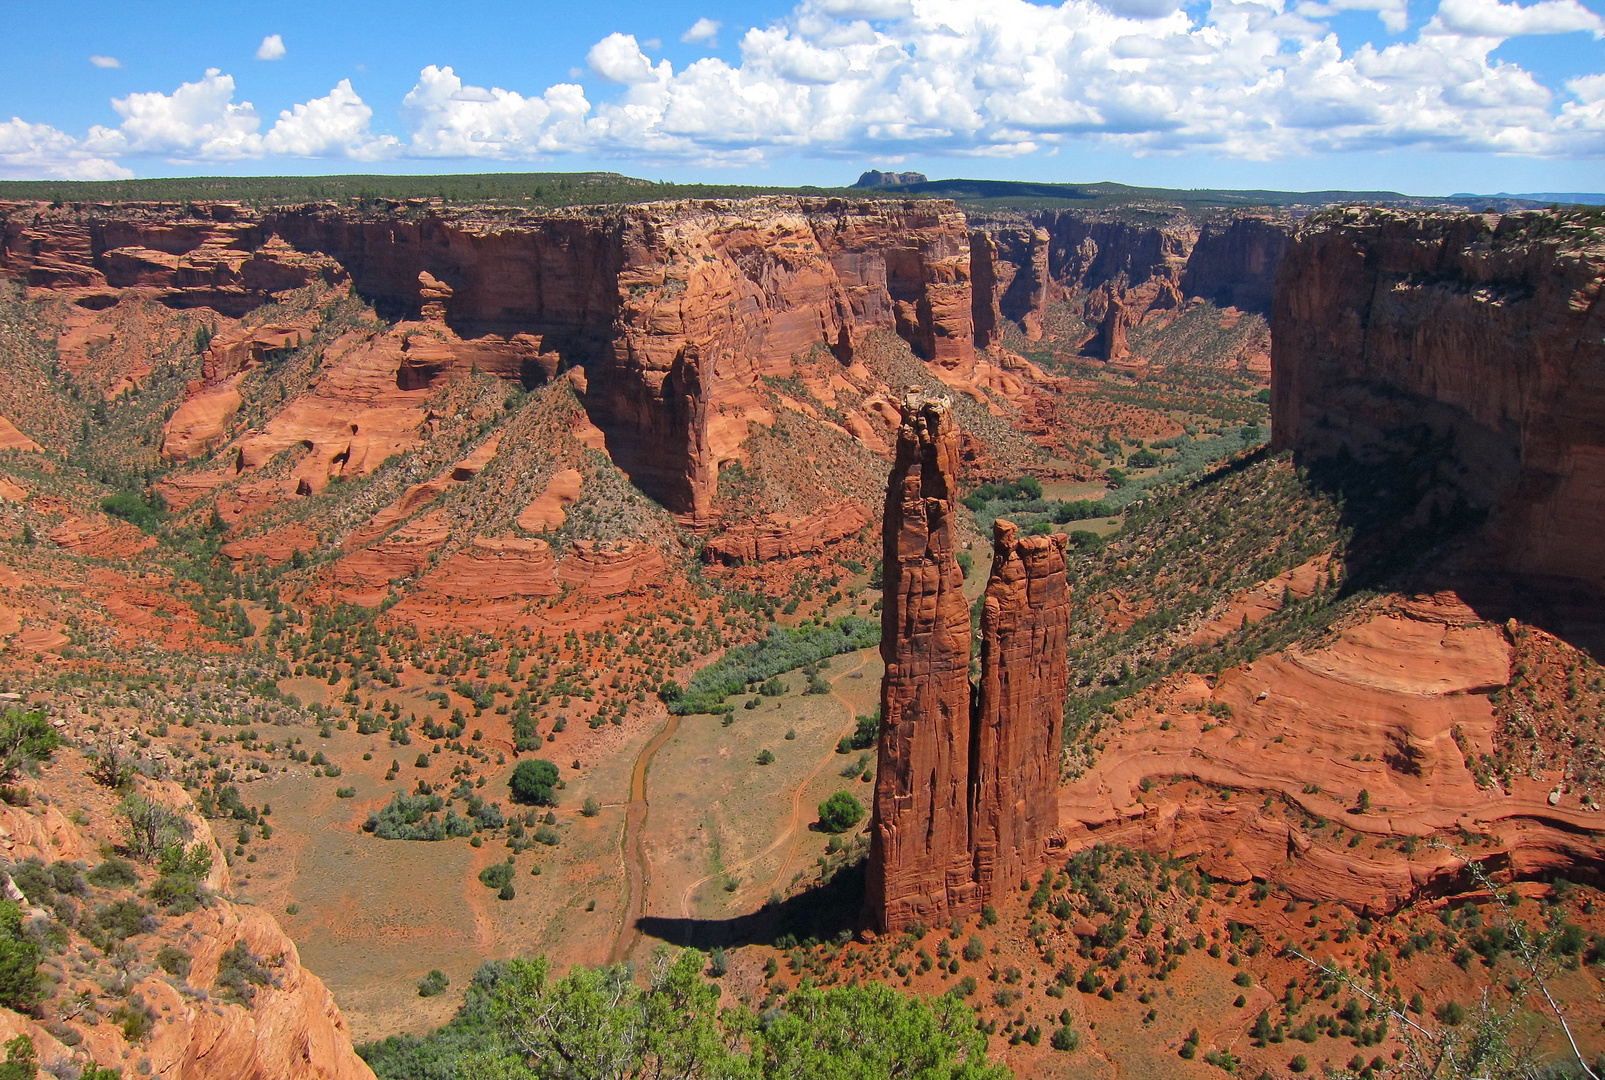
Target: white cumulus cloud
(33, 150)
(335, 125)
(704, 29)
(451, 119)
(857, 79)
(105, 61)
(272, 48)
(618, 58)
(198, 119)
(1491, 19)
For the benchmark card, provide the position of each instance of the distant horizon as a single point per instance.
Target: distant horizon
(1579, 195)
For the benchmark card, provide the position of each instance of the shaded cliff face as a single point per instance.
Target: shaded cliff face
(964, 795)
(1485, 336)
(919, 836)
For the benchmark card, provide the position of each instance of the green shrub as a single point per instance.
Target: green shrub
(1065, 1038)
(414, 817)
(114, 873)
(135, 1018)
(974, 949)
(547, 835)
(144, 511)
(25, 739)
(22, 1061)
(497, 875)
(532, 783)
(173, 960)
(785, 649)
(239, 973)
(765, 757)
(840, 812)
(19, 957)
(433, 984)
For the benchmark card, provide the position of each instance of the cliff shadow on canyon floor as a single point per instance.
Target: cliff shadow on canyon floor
(823, 913)
(1410, 530)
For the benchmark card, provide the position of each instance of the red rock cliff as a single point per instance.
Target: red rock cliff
(919, 863)
(1019, 718)
(674, 311)
(1486, 331)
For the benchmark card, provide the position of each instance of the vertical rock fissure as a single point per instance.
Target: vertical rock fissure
(991, 751)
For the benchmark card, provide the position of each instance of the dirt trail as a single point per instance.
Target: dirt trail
(792, 833)
(635, 861)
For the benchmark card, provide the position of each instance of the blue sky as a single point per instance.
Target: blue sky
(1422, 96)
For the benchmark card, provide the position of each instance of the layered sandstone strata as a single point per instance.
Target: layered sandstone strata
(919, 861)
(1482, 334)
(1019, 715)
(965, 795)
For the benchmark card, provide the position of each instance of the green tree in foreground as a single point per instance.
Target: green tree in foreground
(518, 1024)
(840, 812)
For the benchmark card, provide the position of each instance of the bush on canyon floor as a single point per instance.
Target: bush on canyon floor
(840, 812)
(414, 817)
(532, 783)
(497, 875)
(517, 1021)
(433, 984)
(785, 649)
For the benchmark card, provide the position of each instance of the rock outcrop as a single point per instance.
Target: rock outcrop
(1019, 717)
(1396, 708)
(919, 861)
(783, 536)
(1482, 334)
(287, 1027)
(965, 795)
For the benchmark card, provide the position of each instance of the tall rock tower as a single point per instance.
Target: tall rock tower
(919, 863)
(1019, 715)
(966, 785)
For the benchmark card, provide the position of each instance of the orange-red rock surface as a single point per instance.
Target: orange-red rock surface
(965, 797)
(1019, 716)
(783, 536)
(12, 439)
(919, 862)
(1391, 708)
(292, 1028)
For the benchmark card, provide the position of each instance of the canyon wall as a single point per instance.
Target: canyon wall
(966, 782)
(1481, 333)
(1119, 267)
(669, 313)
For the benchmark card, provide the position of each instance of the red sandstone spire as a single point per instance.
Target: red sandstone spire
(963, 805)
(1019, 718)
(919, 864)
